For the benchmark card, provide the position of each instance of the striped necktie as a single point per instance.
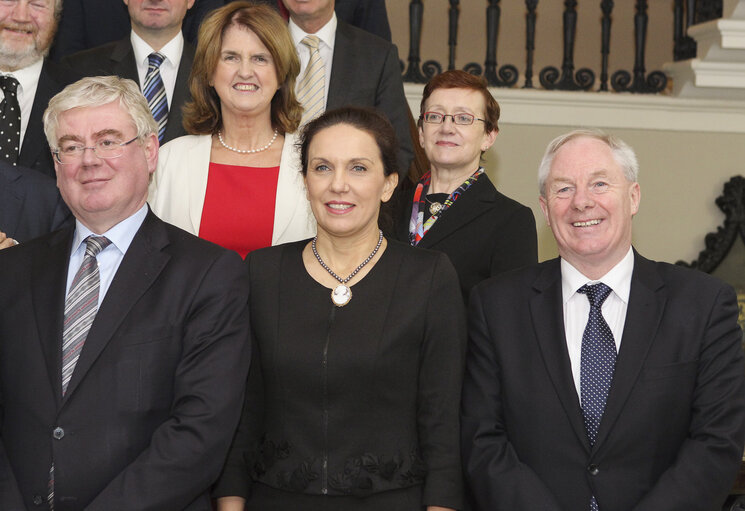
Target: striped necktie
(81, 306)
(155, 92)
(312, 87)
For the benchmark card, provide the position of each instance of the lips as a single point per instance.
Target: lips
(446, 143)
(19, 30)
(339, 208)
(246, 87)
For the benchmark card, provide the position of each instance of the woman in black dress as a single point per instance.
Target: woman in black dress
(353, 395)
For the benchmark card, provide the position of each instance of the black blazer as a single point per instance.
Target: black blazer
(484, 233)
(118, 58)
(35, 153)
(365, 72)
(369, 15)
(386, 368)
(155, 397)
(672, 434)
(30, 204)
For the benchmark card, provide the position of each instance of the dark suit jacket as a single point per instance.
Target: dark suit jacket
(118, 58)
(30, 204)
(671, 437)
(484, 233)
(365, 72)
(90, 23)
(369, 15)
(35, 153)
(155, 397)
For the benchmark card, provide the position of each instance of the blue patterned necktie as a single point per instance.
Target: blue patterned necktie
(598, 361)
(155, 92)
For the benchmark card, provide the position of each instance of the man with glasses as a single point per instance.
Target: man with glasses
(123, 340)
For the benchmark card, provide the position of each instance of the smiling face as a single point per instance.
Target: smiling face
(313, 13)
(157, 15)
(589, 206)
(103, 192)
(451, 146)
(245, 78)
(26, 31)
(346, 181)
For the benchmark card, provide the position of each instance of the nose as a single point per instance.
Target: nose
(339, 182)
(448, 124)
(246, 68)
(582, 199)
(89, 157)
(21, 11)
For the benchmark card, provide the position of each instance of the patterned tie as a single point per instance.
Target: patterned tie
(155, 92)
(312, 87)
(10, 124)
(598, 362)
(81, 306)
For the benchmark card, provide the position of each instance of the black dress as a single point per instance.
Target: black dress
(354, 404)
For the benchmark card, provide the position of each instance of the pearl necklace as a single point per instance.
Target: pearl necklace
(246, 151)
(342, 294)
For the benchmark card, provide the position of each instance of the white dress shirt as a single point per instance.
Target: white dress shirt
(577, 306)
(168, 69)
(109, 259)
(28, 81)
(327, 35)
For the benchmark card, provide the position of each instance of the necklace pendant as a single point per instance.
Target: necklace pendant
(341, 295)
(435, 208)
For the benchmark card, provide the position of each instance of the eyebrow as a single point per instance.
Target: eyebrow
(98, 134)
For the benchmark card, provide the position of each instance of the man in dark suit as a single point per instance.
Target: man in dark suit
(601, 380)
(24, 42)
(124, 341)
(156, 29)
(360, 69)
(87, 24)
(30, 205)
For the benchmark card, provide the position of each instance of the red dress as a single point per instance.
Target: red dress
(238, 211)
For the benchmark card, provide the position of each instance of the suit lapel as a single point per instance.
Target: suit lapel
(34, 143)
(476, 201)
(646, 305)
(341, 60)
(123, 60)
(141, 265)
(548, 322)
(181, 95)
(10, 201)
(48, 282)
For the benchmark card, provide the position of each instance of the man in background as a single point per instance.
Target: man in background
(154, 54)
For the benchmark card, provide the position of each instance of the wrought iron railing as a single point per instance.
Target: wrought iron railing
(685, 13)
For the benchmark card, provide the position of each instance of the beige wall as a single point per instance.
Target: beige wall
(682, 173)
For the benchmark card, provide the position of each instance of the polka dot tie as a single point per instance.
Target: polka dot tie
(598, 362)
(10, 123)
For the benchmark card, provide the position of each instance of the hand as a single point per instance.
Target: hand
(231, 504)
(6, 242)
(438, 508)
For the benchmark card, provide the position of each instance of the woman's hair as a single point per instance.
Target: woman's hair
(97, 91)
(457, 79)
(365, 119)
(202, 114)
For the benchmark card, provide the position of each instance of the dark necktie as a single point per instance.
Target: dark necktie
(155, 93)
(10, 124)
(598, 362)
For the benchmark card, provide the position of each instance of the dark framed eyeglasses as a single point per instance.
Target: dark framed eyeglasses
(106, 148)
(459, 119)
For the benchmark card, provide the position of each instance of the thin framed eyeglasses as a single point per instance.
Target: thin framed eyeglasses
(71, 152)
(459, 119)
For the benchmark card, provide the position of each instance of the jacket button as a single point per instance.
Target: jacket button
(38, 501)
(593, 470)
(58, 433)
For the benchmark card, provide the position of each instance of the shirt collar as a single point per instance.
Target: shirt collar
(327, 33)
(26, 76)
(171, 51)
(618, 278)
(121, 235)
